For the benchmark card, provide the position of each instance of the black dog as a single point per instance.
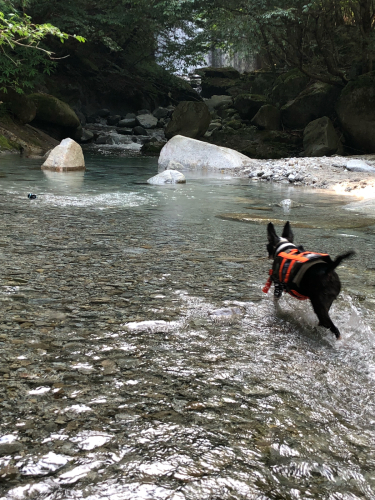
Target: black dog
(304, 275)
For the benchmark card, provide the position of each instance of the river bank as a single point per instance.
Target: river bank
(329, 173)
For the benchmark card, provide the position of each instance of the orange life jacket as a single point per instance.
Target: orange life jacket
(289, 267)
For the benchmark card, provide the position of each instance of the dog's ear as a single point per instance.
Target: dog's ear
(287, 233)
(271, 233)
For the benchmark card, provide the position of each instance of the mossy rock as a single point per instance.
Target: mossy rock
(8, 145)
(265, 144)
(19, 105)
(356, 112)
(228, 72)
(288, 86)
(152, 148)
(217, 86)
(28, 140)
(267, 118)
(249, 104)
(260, 82)
(190, 119)
(316, 101)
(234, 124)
(51, 110)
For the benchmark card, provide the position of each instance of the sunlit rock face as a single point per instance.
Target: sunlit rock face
(66, 156)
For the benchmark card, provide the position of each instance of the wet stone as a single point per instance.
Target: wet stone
(10, 448)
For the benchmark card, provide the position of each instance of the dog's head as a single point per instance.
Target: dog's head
(274, 240)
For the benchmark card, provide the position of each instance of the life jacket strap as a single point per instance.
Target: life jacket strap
(268, 284)
(297, 295)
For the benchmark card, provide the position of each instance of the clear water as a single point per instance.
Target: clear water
(140, 359)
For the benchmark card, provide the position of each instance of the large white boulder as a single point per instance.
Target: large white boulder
(66, 156)
(193, 154)
(168, 177)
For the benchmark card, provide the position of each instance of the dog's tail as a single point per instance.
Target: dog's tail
(338, 260)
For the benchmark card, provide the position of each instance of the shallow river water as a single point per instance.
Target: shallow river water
(140, 360)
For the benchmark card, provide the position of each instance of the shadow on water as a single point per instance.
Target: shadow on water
(140, 359)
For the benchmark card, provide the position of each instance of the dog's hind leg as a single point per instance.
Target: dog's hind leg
(321, 310)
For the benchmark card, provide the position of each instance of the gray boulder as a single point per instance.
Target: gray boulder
(103, 113)
(113, 120)
(139, 130)
(217, 100)
(104, 139)
(127, 123)
(356, 112)
(161, 113)
(124, 131)
(190, 119)
(86, 136)
(316, 101)
(288, 86)
(147, 121)
(249, 104)
(152, 148)
(320, 138)
(218, 81)
(129, 116)
(168, 177)
(19, 105)
(66, 156)
(267, 118)
(143, 112)
(81, 117)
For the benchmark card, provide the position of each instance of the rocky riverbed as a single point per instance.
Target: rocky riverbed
(323, 173)
(140, 359)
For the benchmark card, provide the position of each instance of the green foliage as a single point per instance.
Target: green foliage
(23, 57)
(135, 30)
(322, 38)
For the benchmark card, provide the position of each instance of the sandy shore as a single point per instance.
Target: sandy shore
(323, 173)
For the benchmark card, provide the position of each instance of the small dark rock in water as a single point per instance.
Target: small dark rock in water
(31, 196)
(10, 448)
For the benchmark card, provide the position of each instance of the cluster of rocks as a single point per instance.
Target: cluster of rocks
(143, 128)
(45, 114)
(273, 115)
(340, 173)
(253, 126)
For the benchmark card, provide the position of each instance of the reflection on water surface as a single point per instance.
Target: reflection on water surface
(140, 360)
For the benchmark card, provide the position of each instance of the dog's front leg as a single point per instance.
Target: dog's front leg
(278, 291)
